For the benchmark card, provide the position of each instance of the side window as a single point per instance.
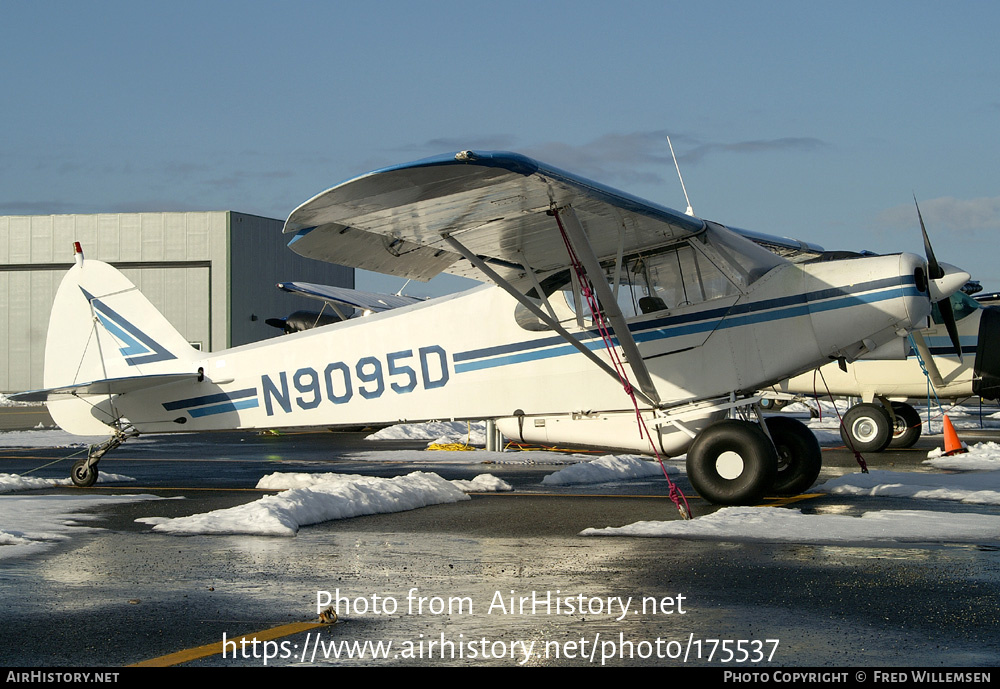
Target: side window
(677, 277)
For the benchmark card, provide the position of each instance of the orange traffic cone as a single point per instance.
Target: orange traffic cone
(952, 445)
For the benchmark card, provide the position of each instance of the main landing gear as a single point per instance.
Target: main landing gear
(734, 462)
(869, 426)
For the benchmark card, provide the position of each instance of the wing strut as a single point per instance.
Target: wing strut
(531, 306)
(568, 222)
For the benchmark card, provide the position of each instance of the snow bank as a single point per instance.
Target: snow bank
(283, 514)
(980, 457)
(607, 468)
(436, 431)
(974, 488)
(780, 524)
(12, 483)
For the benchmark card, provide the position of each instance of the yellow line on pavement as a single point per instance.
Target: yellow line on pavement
(207, 650)
(778, 502)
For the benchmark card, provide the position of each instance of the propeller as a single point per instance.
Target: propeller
(943, 280)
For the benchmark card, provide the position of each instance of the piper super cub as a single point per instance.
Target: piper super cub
(606, 314)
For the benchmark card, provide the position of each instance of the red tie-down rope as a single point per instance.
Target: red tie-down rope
(676, 495)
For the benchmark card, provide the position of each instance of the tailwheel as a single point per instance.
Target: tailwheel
(906, 429)
(799, 456)
(83, 473)
(732, 462)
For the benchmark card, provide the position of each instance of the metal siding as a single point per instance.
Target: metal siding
(108, 238)
(180, 294)
(19, 318)
(201, 301)
(259, 259)
(64, 233)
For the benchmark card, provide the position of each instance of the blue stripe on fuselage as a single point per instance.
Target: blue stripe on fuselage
(222, 408)
(738, 315)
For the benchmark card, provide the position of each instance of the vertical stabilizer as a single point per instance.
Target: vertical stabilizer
(102, 327)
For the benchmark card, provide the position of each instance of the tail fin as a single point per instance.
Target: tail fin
(102, 328)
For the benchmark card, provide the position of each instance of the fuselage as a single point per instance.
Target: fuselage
(925, 364)
(472, 356)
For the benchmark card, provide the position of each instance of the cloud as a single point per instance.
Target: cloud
(630, 158)
(39, 208)
(644, 157)
(790, 143)
(493, 142)
(946, 214)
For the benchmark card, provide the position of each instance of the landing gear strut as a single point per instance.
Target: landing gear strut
(84, 471)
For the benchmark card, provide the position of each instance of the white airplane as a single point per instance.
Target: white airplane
(344, 302)
(607, 314)
(897, 370)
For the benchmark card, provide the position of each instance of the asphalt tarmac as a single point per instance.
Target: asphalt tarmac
(501, 580)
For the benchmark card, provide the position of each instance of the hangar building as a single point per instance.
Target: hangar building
(212, 274)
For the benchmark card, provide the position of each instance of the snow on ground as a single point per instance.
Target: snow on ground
(8, 402)
(12, 483)
(32, 523)
(312, 498)
(607, 468)
(980, 457)
(780, 524)
(284, 513)
(48, 438)
(972, 488)
(473, 433)
(477, 457)
(285, 480)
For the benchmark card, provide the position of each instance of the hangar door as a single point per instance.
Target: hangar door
(180, 292)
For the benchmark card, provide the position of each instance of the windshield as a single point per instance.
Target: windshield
(961, 303)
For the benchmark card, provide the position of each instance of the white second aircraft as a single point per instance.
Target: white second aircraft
(922, 364)
(685, 320)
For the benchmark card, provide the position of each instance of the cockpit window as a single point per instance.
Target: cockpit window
(671, 279)
(714, 264)
(961, 303)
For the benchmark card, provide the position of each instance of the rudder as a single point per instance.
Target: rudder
(103, 327)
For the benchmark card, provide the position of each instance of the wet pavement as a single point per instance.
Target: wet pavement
(501, 580)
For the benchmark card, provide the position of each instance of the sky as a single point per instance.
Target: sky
(819, 121)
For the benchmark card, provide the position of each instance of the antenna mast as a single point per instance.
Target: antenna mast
(690, 210)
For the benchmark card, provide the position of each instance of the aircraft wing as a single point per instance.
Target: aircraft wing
(496, 204)
(395, 220)
(357, 299)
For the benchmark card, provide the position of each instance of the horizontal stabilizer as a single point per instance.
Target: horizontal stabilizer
(108, 386)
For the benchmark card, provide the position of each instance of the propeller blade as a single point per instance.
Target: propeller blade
(948, 316)
(939, 290)
(934, 270)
